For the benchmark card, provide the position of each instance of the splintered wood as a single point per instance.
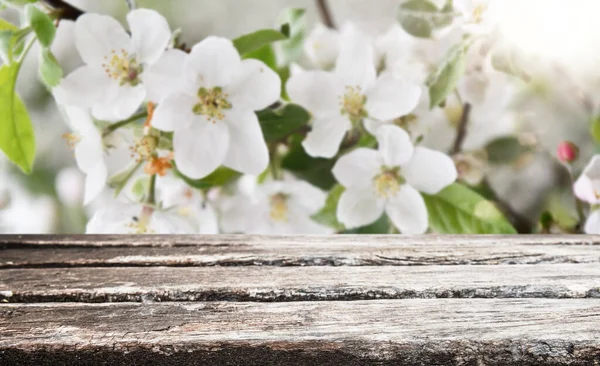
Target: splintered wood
(343, 300)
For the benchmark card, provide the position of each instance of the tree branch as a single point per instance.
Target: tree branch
(461, 132)
(325, 14)
(64, 9)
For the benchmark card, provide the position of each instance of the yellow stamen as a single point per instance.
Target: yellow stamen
(72, 140)
(388, 183)
(212, 103)
(279, 208)
(123, 67)
(352, 104)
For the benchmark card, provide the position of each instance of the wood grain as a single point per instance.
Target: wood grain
(383, 332)
(30, 252)
(341, 300)
(299, 283)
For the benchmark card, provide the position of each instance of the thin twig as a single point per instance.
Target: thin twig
(325, 14)
(131, 4)
(461, 132)
(64, 9)
(115, 126)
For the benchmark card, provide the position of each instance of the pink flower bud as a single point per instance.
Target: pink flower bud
(567, 152)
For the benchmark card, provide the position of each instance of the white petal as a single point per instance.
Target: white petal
(85, 87)
(255, 87)
(584, 190)
(95, 181)
(322, 46)
(305, 196)
(587, 186)
(113, 219)
(429, 171)
(150, 34)
(96, 36)
(407, 211)
(395, 146)
(164, 77)
(355, 65)
(391, 98)
(169, 223)
(372, 125)
(592, 224)
(317, 91)
(207, 219)
(175, 112)
(213, 62)
(326, 136)
(126, 102)
(248, 151)
(359, 207)
(201, 147)
(357, 168)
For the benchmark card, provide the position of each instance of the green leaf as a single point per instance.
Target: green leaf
(293, 25)
(595, 129)
(219, 177)
(120, 180)
(328, 214)
(253, 41)
(421, 17)
(443, 81)
(266, 54)
(505, 150)
(278, 124)
(4, 25)
(459, 210)
(316, 171)
(17, 138)
(50, 71)
(41, 24)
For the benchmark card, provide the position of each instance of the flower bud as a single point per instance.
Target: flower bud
(567, 152)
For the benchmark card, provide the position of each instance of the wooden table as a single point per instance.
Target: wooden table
(343, 300)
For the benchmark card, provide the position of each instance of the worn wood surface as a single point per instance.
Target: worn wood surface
(345, 300)
(261, 283)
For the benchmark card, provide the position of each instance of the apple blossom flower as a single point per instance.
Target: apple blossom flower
(389, 180)
(275, 207)
(96, 156)
(125, 218)
(322, 46)
(189, 203)
(213, 117)
(120, 71)
(587, 186)
(352, 93)
(592, 224)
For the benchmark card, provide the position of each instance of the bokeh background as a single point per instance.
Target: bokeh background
(49, 201)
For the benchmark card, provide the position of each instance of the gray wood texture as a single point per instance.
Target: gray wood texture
(346, 300)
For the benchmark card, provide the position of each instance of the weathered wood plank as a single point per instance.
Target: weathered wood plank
(278, 242)
(385, 332)
(299, 283)
(295, 251)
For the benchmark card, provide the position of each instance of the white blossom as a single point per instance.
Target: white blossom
(213, 117)
(123, 218)
(275, 207)
(175, 195)
(349, 95)
(587, 186)
(97, 157)
(120, 71)
(389, 180)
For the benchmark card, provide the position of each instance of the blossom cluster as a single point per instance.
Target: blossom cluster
(373, 129)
